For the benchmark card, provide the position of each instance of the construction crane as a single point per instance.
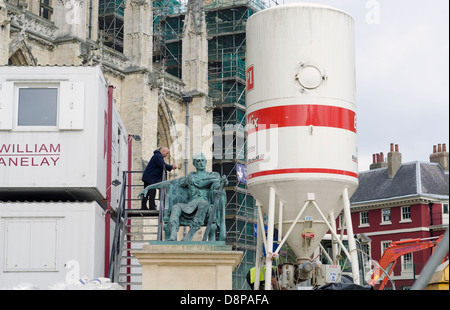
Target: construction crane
(396, 249)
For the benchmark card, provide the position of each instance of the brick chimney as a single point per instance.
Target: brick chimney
(378, 161)
(440, 156)
(394, 161)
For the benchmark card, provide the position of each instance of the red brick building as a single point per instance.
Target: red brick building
(399, 201)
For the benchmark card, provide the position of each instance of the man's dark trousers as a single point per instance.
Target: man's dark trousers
(151, 194)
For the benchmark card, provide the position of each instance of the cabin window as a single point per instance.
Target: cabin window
(42, 107)
(37, 106)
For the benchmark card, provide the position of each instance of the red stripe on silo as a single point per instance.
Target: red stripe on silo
(302, 170)
(302, 115)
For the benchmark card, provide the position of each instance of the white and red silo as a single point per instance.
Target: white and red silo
(302, 157)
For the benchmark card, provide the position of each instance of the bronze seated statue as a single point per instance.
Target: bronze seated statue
(195, 200)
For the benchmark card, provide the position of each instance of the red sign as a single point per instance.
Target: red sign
(250, 78)
(303, 115)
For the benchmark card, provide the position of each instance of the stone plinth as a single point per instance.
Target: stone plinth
(187, 265)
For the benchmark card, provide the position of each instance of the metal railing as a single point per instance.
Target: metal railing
(122, 219)
(119, 232)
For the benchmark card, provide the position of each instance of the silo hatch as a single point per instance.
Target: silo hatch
(309, 76)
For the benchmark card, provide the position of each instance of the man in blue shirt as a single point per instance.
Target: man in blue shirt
(153, 174)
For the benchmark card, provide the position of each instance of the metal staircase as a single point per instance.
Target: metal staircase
(134, 228)
(140, 228)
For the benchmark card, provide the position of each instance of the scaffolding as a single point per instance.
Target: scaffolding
(225, 22)
(111, 22)
(226, 74)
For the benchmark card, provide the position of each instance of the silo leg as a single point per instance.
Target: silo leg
(259, 242)
(269, 248)
(351, 239)
(334, 243)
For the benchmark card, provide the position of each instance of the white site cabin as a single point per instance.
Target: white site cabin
(54, 135)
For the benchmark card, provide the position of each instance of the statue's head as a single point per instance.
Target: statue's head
(199, 161)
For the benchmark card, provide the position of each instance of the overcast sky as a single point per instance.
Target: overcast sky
(402, 67)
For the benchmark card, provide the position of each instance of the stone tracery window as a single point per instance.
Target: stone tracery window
(46, 9)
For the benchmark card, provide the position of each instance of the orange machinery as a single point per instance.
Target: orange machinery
(394, 251)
